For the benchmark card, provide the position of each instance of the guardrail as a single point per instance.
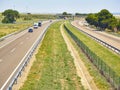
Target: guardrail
(116, 50)
(17, 72)
(111, 76)
(6, 36)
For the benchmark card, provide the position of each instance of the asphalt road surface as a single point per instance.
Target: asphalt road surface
(14, 48)
(110, 39)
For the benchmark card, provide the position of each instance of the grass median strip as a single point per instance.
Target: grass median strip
(54, 67)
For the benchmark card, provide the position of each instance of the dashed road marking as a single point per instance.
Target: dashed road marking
(0, 60)
(21, 43)
(13, 50)
(27, 38)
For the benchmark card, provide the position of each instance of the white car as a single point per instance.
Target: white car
(35, 26)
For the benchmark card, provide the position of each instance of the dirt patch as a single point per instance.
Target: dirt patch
(86, 79)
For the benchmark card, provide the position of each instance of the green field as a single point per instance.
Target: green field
(54, 67)
(9, 28)
(22, 24)
(99, 80)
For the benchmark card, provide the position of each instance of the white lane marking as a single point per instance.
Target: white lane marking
(13, 50)
(27, 38)
(7, 43)
(22, 60)
(21, 43)
(12, 40)
(18, 37)
(0, 60)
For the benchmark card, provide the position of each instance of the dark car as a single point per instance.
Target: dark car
(40, 24)
(30, 30)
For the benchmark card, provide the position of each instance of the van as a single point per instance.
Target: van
(35, 26)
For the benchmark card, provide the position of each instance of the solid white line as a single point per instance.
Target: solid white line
(21, 62)
(16, 38)
(7, 43)
(13, 50)
(16, 68)
(11, 41)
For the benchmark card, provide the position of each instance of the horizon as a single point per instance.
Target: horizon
(53, 6)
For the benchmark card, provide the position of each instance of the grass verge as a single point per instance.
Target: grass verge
(99, 80)
(18, 26)
(9, 28)
(110, 58)
(54, 67)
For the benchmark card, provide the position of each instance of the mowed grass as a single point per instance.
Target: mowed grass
(54, 67)
(99, 80)
(110, 58)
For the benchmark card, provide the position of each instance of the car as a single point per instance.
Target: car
(30, 30)
(35, 26)
(39, 23)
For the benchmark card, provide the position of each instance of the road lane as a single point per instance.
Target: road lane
(12, 53)
(110, 39)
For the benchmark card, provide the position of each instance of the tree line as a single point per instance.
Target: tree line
(104, 20)
(10, 16)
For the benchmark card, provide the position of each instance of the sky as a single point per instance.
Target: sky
(59, 6)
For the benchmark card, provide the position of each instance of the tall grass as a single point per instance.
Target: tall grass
(110, 58)
(10, 28)
(54, 67)
(99, 80)
(21, 24)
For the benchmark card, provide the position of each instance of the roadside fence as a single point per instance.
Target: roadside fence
(104, 69)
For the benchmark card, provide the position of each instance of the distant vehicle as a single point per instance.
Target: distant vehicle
(35, 26)
(30, 30)
(39, 23)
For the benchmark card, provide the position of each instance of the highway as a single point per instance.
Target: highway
(109, 39)
(12, 51)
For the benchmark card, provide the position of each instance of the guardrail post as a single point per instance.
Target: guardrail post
(26, 59)
(10, 88)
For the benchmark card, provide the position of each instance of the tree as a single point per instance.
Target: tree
(64, 13)
(92, 19)
(103, 19)
(118, 25)
(10, 16)
(77, 14)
